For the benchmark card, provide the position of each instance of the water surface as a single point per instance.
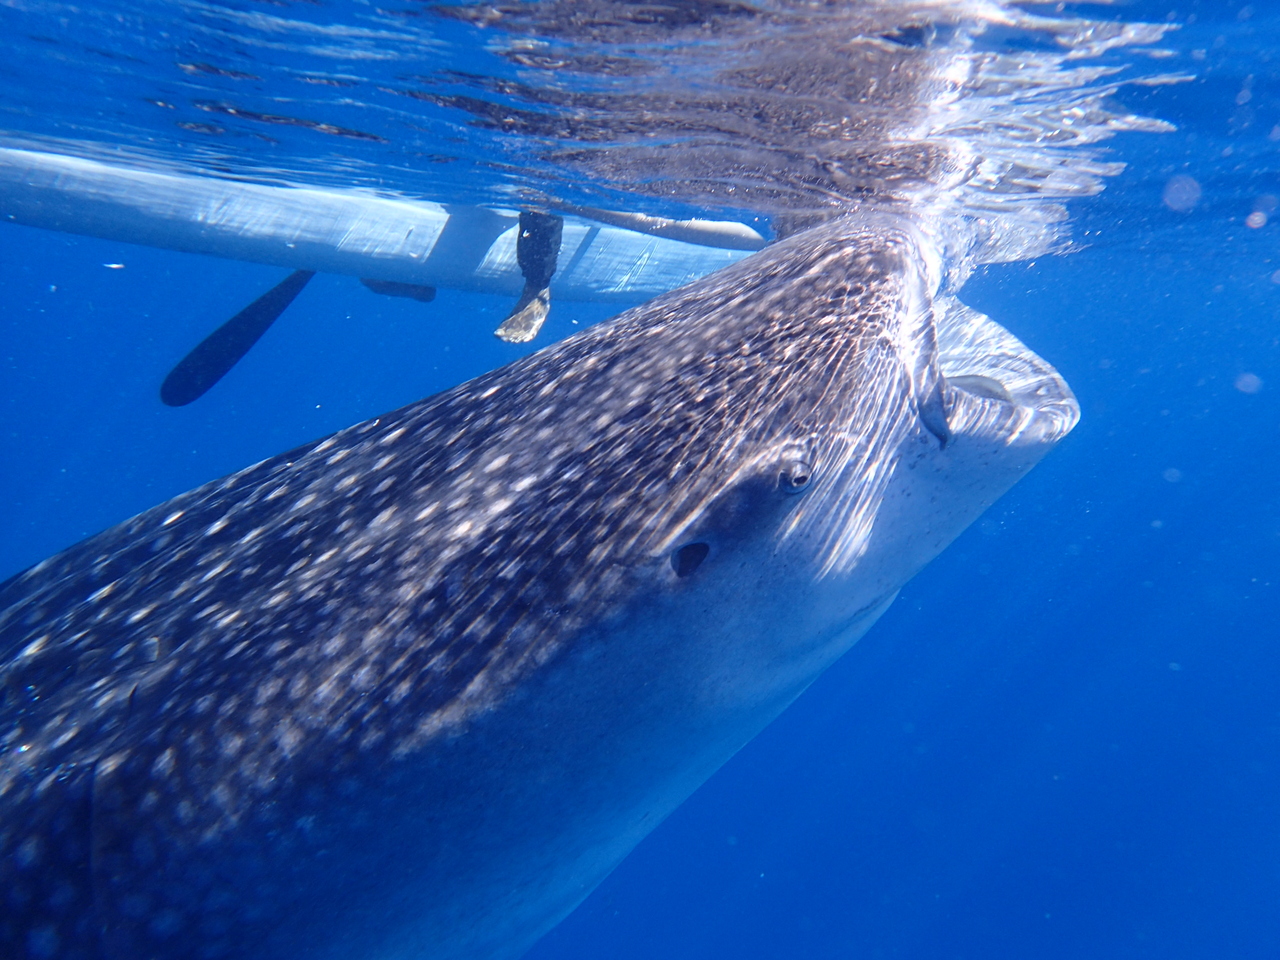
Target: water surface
(1064, 739)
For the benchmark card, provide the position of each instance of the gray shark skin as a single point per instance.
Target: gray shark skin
(413, 690)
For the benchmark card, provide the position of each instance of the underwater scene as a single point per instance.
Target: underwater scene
(553, 478)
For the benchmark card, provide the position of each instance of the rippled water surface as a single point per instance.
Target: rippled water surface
(760, 108)
(1064, 738)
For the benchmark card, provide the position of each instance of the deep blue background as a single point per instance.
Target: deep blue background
(1062, 741)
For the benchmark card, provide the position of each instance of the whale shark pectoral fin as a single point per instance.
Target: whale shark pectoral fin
(215, 355)
(537, 249)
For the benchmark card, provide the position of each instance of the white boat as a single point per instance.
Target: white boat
(358, 232)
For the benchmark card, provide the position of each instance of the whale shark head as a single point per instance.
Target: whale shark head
(832, 420)
(414, 689)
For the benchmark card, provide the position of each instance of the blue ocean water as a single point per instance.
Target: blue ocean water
(1063, 739)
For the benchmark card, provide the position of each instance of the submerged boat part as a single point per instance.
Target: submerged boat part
(354, 232)
(217, 353)
(537, 251)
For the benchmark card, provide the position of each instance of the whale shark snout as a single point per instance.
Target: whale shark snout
(416, 688)
(986, 361)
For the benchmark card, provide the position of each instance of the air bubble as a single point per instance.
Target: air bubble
(1182, 193)
(1248, 383)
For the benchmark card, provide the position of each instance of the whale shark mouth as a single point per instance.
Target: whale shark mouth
(996, 385)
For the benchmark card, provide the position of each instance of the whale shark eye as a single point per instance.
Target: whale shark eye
(688, 558)
(795, 477)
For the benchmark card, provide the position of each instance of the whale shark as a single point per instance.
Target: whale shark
(416, 688)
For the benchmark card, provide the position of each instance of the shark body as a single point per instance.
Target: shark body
(413, 690)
